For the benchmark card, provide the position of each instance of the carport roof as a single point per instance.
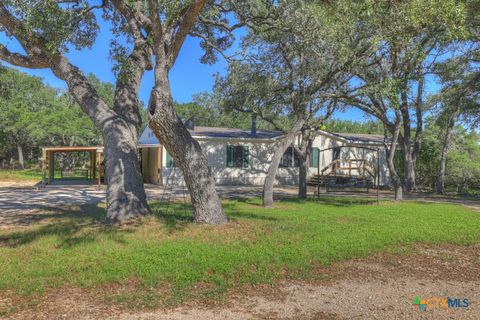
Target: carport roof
(72, 149)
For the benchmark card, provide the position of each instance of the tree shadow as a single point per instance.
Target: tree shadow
(71, 226)
(234, 213)
(174, 215)
(339, 201)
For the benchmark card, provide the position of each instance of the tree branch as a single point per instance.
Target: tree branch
(136, 20)
(184, 28)
(16, 59)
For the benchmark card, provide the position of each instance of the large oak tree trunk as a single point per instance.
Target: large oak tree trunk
(280, 148)
(186, 152)
(126, 196)
(119, 125)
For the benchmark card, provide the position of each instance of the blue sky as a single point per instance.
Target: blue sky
(187, 78)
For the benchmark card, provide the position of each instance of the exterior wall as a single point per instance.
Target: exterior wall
(260, 155)
(151, 165)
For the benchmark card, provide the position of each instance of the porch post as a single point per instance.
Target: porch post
(99, 161)
(51, 166)
(378, 176)
(44, 167)
(318, 174)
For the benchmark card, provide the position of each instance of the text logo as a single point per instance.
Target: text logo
(440, 303)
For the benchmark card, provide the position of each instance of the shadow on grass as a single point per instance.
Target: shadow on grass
(83, 224)
(71, 226)
(174, 215)
(234, 212)
(340, 201)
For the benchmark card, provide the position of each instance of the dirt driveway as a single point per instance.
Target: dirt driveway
(383, 286)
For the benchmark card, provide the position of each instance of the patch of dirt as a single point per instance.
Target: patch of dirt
(382, 286)
(18, 183)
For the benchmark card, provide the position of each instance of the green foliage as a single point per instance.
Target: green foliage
(72, 23)
(263, 245)
(351, 126)
(207, 111)
(22, 99)
(33, 114)
(295, 56)
(463, 159)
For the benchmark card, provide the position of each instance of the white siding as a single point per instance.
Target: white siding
(260, 157)
(259, 161)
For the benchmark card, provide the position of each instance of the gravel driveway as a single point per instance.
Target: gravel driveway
(382, 286)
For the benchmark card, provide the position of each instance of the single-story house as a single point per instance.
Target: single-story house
(242, 157)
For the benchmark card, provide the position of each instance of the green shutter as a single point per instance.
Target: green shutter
(169, 160)
(246, 156)
(314, 158)
(229, 156)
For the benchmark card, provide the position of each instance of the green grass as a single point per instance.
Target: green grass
(21, 175)
(36, 175)
(170, 259)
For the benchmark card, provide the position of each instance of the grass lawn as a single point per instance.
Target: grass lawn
(171, 260)
(21, 175)
(36, 175)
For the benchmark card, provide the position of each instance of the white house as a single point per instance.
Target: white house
(242, 157)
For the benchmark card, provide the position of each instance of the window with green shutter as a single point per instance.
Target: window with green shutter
(314, 156)
(229, 156)
(246, 156)
(237, 156)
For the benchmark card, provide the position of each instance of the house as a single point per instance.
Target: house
(242, 157)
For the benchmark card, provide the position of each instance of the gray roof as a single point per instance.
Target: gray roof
(361, 137)
(214, 132)
(148, 138)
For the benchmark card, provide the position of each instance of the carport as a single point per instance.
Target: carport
(93, 172)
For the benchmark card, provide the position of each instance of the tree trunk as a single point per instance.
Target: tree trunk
(280, 148)
(303, 153)
(440, 185)
(397, 182)
(302, 179)
(119, 125)
(410, 178)
(126, 196)
(20, 157)
(185, 150)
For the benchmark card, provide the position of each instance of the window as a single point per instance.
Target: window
(237, 156)
(314, 156)
(170, 163)
(289, 159)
